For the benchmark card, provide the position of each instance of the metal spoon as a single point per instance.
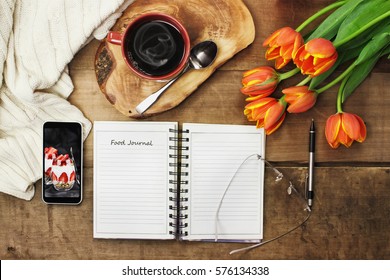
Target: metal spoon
(201, 56)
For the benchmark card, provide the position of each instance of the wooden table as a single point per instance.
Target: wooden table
(351, 214)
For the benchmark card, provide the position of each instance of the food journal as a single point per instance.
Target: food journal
(202, 182)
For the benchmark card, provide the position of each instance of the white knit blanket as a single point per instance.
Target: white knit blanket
(38, 38)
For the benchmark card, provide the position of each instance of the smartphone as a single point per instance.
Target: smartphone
(62, 163)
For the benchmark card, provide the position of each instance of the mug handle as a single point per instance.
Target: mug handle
(114, 38)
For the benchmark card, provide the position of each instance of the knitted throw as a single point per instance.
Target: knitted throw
(38, 38)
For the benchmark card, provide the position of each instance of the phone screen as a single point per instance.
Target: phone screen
(62, 162)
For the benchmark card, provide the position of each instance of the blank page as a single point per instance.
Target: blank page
(215, 154)
(131, 179)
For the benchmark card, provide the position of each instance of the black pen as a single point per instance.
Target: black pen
(312, 140)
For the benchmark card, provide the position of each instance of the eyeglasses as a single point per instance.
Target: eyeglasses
(282, 181)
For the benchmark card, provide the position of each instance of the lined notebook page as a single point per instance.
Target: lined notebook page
(131, 179)
(215, 153)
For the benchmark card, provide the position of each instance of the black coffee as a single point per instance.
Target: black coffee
(156, 48)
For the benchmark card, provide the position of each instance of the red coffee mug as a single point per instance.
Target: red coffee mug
(155, 46)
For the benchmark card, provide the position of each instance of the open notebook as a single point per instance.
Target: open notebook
(152, 182)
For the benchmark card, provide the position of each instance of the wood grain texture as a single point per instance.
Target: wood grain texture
(350, 221)
(351, 210)
(228, 23)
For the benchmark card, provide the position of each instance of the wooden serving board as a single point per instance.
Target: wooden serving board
(227, 22)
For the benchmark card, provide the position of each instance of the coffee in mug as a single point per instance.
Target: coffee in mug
(155, 46)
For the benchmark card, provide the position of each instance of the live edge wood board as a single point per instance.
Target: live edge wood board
(226, 22)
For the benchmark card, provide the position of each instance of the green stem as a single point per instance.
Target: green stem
(318, 14)
(338, 79)
(282, 99)
(288, 74)
(340, 95)
(361, 30)
(304, 82)
(339, 102)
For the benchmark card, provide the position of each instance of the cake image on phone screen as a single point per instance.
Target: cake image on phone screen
(60, 170)
(62, 162)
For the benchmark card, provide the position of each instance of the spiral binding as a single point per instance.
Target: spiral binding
(178, 208)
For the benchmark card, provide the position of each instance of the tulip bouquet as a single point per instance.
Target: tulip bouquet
(355, 35)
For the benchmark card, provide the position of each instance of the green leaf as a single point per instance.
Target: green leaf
(360, 73)
(363, 38)
(352, 53)
(357, 76)
(386, 51)
(328, 28)
(363, 14)
(373, 47)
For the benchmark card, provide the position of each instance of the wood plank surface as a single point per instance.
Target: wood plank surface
(349, 221)
(351, 213)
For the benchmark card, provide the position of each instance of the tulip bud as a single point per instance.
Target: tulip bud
(315, 57)
(281, 45)
(267, 112)
(260, 82)
(344, 128)
(300, 98)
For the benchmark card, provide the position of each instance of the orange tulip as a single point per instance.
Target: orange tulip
(300, 98)
(281, 45)
(344, 128)
(268, 112)
(260, 82)
(315, 57)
